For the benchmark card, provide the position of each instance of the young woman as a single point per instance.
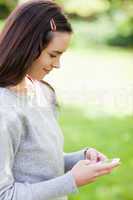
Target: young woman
(32, 163)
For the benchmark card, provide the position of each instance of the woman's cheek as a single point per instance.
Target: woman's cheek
(47, 62)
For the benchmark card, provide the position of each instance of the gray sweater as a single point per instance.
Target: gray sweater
(33, 165)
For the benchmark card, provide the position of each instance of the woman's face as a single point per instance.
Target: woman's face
(50, 56)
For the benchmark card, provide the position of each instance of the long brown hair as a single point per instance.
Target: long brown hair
(25, 34)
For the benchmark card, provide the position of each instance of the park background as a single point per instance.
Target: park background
(94, 88)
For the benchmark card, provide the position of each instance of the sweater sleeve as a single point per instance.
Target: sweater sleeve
(70, 159)
(11, 130)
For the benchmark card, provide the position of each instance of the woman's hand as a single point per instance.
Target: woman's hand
(85, 171)
(94, 156)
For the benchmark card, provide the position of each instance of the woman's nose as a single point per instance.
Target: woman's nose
(56, 64)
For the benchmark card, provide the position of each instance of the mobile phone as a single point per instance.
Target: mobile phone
(111, 160)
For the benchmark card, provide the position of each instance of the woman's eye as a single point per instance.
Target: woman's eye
(52, 56)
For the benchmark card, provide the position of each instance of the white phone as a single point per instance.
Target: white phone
(111, 160)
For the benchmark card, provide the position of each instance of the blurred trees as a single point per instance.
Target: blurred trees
(6, 6)
(121, 12)
(117, 14)
(84, 8)
(87, 7)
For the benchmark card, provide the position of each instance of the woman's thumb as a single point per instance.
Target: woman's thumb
(87, 162)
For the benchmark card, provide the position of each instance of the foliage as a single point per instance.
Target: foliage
(98, 22)
(123, 34)
(6, 6)
(4, 11)
(102, 31)
(107, 21)
(86, 8)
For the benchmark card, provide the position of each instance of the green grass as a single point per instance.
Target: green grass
(110, 135)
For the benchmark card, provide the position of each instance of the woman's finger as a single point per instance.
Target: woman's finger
(92, 155)
(101, 157)
(106, 166)
(104, 172)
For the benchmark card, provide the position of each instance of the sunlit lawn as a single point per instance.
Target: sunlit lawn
(99, 80)
(111, 135)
